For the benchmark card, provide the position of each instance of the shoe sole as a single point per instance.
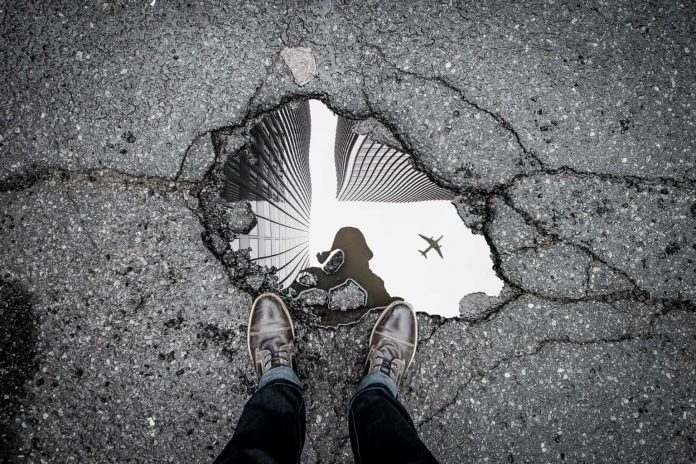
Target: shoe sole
(381, 317)
(251, 313)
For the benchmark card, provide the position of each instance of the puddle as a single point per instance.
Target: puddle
(364, 198)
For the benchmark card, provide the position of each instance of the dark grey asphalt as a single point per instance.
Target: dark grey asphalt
(567, 129)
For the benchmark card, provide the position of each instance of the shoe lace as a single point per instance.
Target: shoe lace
(386, 365)
(276, 358)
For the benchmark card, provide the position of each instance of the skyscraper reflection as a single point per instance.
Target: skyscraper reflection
(274, 177)
(370, 171)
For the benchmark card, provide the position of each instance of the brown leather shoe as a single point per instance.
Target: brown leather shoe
(270, 334)
(393, 341)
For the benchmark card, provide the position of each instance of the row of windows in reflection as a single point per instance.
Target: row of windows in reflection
(276, 241)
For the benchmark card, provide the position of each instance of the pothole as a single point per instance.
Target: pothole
(345, 222)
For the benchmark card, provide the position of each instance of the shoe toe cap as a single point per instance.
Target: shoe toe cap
(269, 312)
(400, 322)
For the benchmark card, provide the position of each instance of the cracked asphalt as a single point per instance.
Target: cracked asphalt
(566, 129)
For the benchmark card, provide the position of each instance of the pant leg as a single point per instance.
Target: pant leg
(381, 429)
(271, 428)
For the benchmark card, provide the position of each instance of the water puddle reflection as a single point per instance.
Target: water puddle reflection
(348, 223)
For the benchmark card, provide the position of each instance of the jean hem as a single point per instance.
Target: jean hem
(375, 381)
(279, 373)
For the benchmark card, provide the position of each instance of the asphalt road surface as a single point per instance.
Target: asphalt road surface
(566, 129)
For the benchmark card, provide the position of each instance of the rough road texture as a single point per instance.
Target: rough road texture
(567, 129)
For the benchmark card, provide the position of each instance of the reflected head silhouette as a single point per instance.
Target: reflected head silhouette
(352, 241)
(356, 266)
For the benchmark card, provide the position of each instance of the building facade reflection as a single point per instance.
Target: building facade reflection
(370, 171)
(275, 180)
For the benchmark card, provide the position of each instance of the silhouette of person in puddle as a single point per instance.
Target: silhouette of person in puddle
(356, 266)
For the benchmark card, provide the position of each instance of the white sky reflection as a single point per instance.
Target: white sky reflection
(433, 285)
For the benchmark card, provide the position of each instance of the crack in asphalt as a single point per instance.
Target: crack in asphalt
(529, 220)
(84, 227)
(540, 346)
(182, 163)
(505, 124)
(25, 181)
(668, 307)
(628, 180)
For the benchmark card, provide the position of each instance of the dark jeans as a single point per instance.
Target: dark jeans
(272, 428)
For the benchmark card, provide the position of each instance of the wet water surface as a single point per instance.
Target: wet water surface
(349, 222)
